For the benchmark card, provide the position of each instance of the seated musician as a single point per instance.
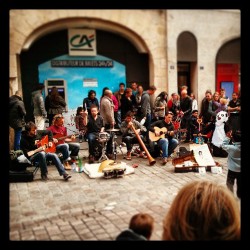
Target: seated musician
(165, 140)
(128, 135)
(61, 138)
(29, 142)
(95, 125)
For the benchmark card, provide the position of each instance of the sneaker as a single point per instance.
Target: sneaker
(67, 165)
(44, 177)
(66, 176)
(80, 141)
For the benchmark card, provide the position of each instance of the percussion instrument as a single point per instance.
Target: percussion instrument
(110, 172)
(105, 164)
(103, 137)
(113, 130)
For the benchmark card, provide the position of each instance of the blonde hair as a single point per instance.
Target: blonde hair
(57, 117)
(203, 210)
(223, 101)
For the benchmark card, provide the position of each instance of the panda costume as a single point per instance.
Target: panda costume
(220, 134)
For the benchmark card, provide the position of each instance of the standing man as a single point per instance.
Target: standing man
(38, 104)
(185, 112)
(16, 117)
(119, 94)
(145, 105)
(107, 113)
(234, 108)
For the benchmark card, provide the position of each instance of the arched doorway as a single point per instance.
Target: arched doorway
(187, 61)
(228, 67)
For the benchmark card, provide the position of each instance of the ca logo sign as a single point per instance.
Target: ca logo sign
(83, 41)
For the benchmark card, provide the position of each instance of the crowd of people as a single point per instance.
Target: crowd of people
(122, 109)
(202, 210)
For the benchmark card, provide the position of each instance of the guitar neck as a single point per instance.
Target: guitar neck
(64, 137)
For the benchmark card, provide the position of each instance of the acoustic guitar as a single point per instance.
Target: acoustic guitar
(60, 139)
(43, 145)
(154, 137)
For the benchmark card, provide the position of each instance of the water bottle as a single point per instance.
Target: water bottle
(143, 120)
(79, 165)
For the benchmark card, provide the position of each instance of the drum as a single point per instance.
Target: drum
(103, 137)
(111, 172)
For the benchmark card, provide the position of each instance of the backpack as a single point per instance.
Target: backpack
(17, 161)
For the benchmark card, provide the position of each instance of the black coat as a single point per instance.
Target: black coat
(129, 235)
(27, 143)
(16, 112)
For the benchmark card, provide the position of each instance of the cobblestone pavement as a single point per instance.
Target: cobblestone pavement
(96, 209)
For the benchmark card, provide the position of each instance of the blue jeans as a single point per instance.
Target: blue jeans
(92, 142)
(74, 148)
(18, 132)
(148, 121)
(130, 140)
(64, 149)
(167, 146)
(42, 158)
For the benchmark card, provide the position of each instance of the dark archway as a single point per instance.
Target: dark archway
(186, 60)
(56, 44)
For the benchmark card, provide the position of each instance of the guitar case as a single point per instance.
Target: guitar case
(179, 166)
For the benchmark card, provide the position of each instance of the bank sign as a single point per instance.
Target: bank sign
(82, 42)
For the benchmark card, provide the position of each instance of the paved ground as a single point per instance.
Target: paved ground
(96, 209)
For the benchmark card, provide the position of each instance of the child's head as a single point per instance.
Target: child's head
(223, 101)
(195, 113)
(142, 224)
(79, 110)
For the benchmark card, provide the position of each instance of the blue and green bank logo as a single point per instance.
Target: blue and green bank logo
(82, 42)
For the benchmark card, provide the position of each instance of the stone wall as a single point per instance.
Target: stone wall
(148, 27)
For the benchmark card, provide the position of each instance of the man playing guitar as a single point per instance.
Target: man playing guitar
(60, 137)
(30, 140)
(167, 143)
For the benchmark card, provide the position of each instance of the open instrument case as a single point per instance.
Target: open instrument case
(187, 163)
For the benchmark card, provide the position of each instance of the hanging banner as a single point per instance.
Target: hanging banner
(82, 42)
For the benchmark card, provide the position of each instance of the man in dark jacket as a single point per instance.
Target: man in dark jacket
(36, 153)
(17, 113)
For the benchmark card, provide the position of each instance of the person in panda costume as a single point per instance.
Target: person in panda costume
(220, 134)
